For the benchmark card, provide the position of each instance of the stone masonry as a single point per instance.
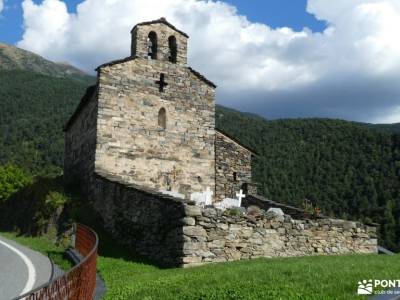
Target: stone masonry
(130, 143)
(233, 166)
(80, 141)
(174, 232)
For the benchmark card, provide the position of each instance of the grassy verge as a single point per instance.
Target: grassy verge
(320, 277)
(333, 277)
(43, 245)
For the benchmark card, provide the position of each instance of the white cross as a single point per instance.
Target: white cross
(240, 195)
(208, 196)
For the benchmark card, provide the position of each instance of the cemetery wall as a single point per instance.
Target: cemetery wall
(175, 232)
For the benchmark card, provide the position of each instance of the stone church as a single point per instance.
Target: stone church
(150, 121)
(145, 134)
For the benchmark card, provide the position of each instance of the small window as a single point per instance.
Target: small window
(173, 49)
(235, 179)
(152, 45)
(162, 118)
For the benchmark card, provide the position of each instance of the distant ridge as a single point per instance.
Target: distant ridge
(13, 58)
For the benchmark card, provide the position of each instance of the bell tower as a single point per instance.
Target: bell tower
(159, 40)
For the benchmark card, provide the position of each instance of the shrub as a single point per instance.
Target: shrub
(234, 212)
(12, 179)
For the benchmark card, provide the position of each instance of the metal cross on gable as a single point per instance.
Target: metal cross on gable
(161, 83)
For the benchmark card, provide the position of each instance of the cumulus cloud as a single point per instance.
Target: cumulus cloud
(1, 5)
(348, 71)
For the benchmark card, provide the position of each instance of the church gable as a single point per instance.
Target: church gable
(156, 120)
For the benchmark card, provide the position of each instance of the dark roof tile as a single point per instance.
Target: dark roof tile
(163, 21)
(85, 99)
(201, 77)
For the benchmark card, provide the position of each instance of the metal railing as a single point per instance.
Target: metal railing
(79, 282)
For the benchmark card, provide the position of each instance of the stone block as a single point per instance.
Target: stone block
(191, 259)
(188, 221)
(192, 210)
(194, 231)
(216, 244)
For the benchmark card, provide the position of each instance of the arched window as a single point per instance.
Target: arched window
(162, 118)
(173, 49)
(152, 45)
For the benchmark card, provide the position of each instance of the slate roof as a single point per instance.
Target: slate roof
(116, 62)
(201, 77)
(129, 58)
(163, 21)
(90, 91)
(237, 141)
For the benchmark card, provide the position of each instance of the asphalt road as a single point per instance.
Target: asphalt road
(21, 269)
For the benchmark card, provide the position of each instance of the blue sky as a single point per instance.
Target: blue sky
(275, 13)
(345, 66)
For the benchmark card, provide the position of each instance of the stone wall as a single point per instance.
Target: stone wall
(217, 237)
(175, 232)
(80, 142)
(233, 166)
(150, 224)
(134, 147)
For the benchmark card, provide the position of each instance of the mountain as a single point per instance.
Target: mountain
(37, 97)
(348, 169)
(13, 58)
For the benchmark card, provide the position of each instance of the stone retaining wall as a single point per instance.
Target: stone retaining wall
(173, 232)
(217, 236)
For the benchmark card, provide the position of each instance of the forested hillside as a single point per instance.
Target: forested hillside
(33, 110)
(349, 170)
(342, 167)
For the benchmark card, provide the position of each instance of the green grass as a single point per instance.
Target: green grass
(322, 277)
(318, 277)
(43, 245)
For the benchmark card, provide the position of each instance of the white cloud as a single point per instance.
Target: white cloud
(348, 71)
(1, 5)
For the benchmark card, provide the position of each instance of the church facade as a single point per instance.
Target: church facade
(150, 121)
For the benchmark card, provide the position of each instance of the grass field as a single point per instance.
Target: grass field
(320, 277)
(333, 277)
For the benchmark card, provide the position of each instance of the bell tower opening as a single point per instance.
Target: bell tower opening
(173, 49)
(152, 45)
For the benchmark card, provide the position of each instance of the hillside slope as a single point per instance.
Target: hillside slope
(34, 108)
(13, 58)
